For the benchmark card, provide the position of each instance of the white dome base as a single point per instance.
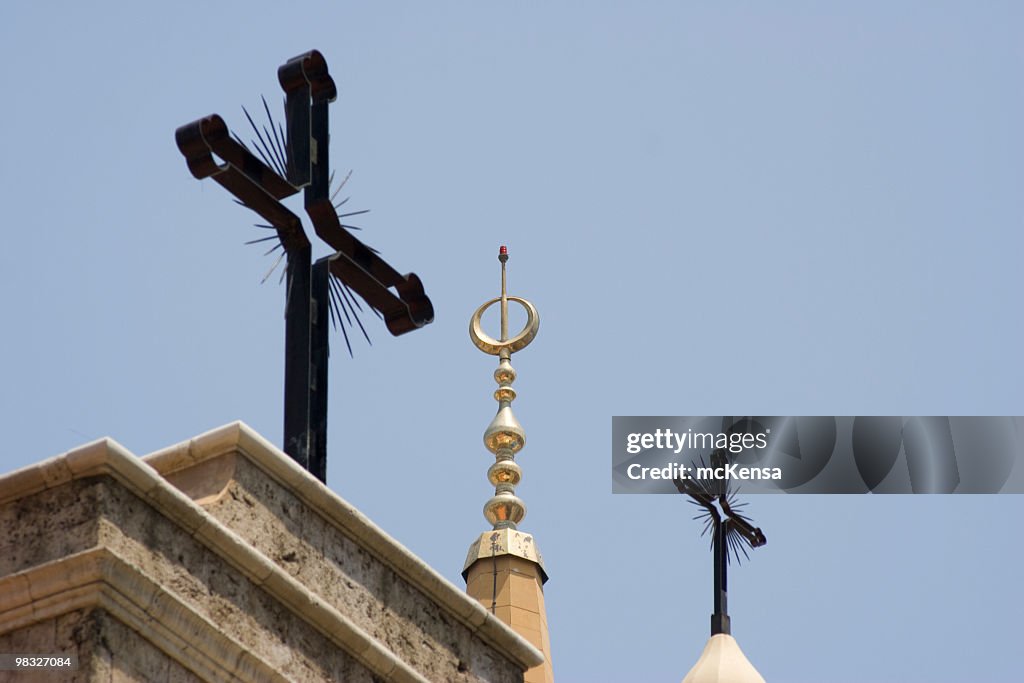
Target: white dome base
(723, 662)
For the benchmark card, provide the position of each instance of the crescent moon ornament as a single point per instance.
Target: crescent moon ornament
(493, 346)
(505, 346)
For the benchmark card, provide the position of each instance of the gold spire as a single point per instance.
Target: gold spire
(504, 437)
(504, 569)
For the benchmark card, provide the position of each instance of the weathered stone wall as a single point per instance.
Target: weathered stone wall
(69, 634)
(48, 525)
(99, 512)
(107, 651)
(308, 547)
(245, 613)
(234, 565)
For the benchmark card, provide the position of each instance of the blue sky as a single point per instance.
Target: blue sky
(721, 208)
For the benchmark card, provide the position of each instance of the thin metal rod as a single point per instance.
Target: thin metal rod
(503, 257)
(720, 618)
(297, 356)
(320, 352)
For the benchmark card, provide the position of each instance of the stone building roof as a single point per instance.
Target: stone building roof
(220, 559)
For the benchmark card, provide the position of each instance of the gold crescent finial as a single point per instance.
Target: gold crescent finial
(504, 346)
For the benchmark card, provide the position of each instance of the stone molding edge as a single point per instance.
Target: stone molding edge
(240, 437)
(99, 578)
(106, 456)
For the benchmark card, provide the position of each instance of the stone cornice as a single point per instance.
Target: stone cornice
(107, 457)
(99, 578)
(238, 437)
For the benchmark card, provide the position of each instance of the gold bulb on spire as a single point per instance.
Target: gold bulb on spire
(504, 437)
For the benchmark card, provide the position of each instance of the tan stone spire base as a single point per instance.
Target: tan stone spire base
(506, 574)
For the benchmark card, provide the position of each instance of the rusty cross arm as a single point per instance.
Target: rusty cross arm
(364, 271)
(308, 89)
(753, 534)
(242, 174)
(260, 188)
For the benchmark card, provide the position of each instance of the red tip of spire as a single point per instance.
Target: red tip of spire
(503, 250)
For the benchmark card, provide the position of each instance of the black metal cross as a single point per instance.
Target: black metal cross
(211, 152)
(730, 530)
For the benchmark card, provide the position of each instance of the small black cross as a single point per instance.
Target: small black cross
(212, 153)
(729, 528)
